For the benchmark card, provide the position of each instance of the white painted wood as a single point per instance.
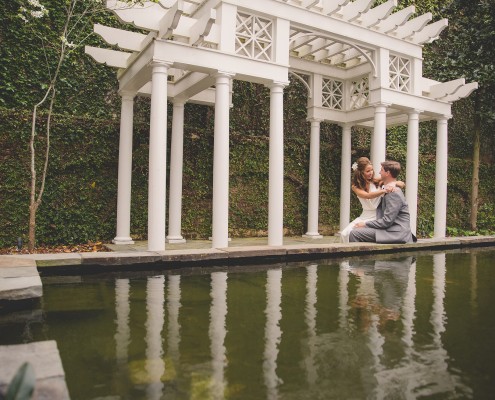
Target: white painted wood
(440, 224)
(170, 20)
(145, 16)
(354, 10)
(276, 167)
(220, 218)
(314, 179)
(157, 158)
(176, 171)
(202, 28)
(412, 26)
(412, 167)
(332, 6)
(126, 40)
(378, 14)
(112, 58)
(461, 93)
(395, 20)
(439, 90)
(345, 177)
(378, 140)
(125, 171)
(430, 32)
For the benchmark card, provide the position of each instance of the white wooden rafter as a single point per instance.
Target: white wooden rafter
(413, 26)
(378, 14)
(354, 10)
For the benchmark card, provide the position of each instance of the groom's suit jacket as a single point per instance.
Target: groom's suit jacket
(392, 222)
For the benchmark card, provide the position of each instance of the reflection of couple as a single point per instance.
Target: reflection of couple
(385, 217)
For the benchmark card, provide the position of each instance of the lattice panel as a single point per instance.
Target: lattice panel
(254, 37)
(400, 73)
(360, 92)
(332, 92)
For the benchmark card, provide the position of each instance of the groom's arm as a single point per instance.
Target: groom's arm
(393, 204)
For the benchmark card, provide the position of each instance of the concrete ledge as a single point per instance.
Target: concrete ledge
(19, 283)
(45, 359)
(113, 258)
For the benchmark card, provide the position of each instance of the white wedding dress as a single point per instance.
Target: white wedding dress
(368, 214)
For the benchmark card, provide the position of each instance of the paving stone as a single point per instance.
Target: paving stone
(45, 359)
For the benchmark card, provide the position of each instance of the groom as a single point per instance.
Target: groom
(392, 214)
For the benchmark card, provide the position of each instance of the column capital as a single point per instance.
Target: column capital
(381, 104)
(277, 84)
(127, 94)
(311, 119)
(414, 111)
(178, 102)
(346, 125)
(444, 117)
(224, 74)
(156, 64)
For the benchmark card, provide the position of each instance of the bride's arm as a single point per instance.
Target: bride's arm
(368, 195)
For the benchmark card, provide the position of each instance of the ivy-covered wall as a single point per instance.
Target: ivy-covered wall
(80, 197)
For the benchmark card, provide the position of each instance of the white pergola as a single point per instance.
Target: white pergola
(364, 66)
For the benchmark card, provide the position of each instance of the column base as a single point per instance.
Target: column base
(123, 240)
(175, 239)
(312, 235)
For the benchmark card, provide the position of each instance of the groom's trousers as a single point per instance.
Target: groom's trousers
(363, 235)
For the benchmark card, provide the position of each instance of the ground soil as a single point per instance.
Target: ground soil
(76, 248)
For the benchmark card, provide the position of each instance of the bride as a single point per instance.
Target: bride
(369, 191)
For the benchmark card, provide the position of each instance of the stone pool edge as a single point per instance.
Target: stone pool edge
(170, 259)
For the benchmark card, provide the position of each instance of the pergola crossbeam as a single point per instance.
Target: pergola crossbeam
(333, 6)
(430, 32)
(378, 14)
(395, 20)
(412, 26)
(354, 10)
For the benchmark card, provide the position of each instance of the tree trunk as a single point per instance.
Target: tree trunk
(476, 167)
(32, 226)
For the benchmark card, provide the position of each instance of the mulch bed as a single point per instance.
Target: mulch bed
(77, 248)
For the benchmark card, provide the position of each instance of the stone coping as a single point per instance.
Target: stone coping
(47, 365)
(133, 256)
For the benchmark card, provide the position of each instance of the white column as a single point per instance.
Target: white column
(217, 332)
(155, 365)
(412, 167)
(157, 158)
(441, 179)
(314, 181)
(273, 333)
(276, 166)
(220, 225)
(176, 163)
(379, 138)
(345, 177)
(125, 171)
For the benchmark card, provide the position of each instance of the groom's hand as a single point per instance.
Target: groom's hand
(360, 225)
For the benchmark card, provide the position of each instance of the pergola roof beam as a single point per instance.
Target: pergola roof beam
(462, 92)
(112, 58)
(145, 16)
(170, 20)
(430, 32)
(412, 26)
(446, 88)
(309, 3)
(126, 40)
(377, 14)
(314, 46)
(332, 6)
(202, 27)
(354, 10)
(395, 20)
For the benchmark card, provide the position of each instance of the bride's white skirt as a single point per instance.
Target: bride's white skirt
(367, 215)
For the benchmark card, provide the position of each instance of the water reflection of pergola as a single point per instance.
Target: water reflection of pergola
(364, 66)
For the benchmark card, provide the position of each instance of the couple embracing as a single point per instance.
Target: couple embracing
(385, 217)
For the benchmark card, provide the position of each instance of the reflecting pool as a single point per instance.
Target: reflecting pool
(407, 326)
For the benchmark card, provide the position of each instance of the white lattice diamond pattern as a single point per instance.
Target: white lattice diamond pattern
(400, 73)
(332, 94)
(253, 37)
(360, 92)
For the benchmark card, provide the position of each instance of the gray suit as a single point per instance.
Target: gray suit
(391, 224)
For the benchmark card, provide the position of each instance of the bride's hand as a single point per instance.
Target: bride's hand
(390, 187)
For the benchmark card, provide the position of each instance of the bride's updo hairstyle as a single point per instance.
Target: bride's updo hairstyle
(358, 179)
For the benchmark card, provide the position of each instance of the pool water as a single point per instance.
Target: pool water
(408, 326)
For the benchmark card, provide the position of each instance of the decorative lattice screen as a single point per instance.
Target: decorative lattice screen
(360, 92)
(253, 37)
(332, 94)
(400, 73)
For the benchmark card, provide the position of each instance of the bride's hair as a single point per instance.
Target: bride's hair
(358, 179)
